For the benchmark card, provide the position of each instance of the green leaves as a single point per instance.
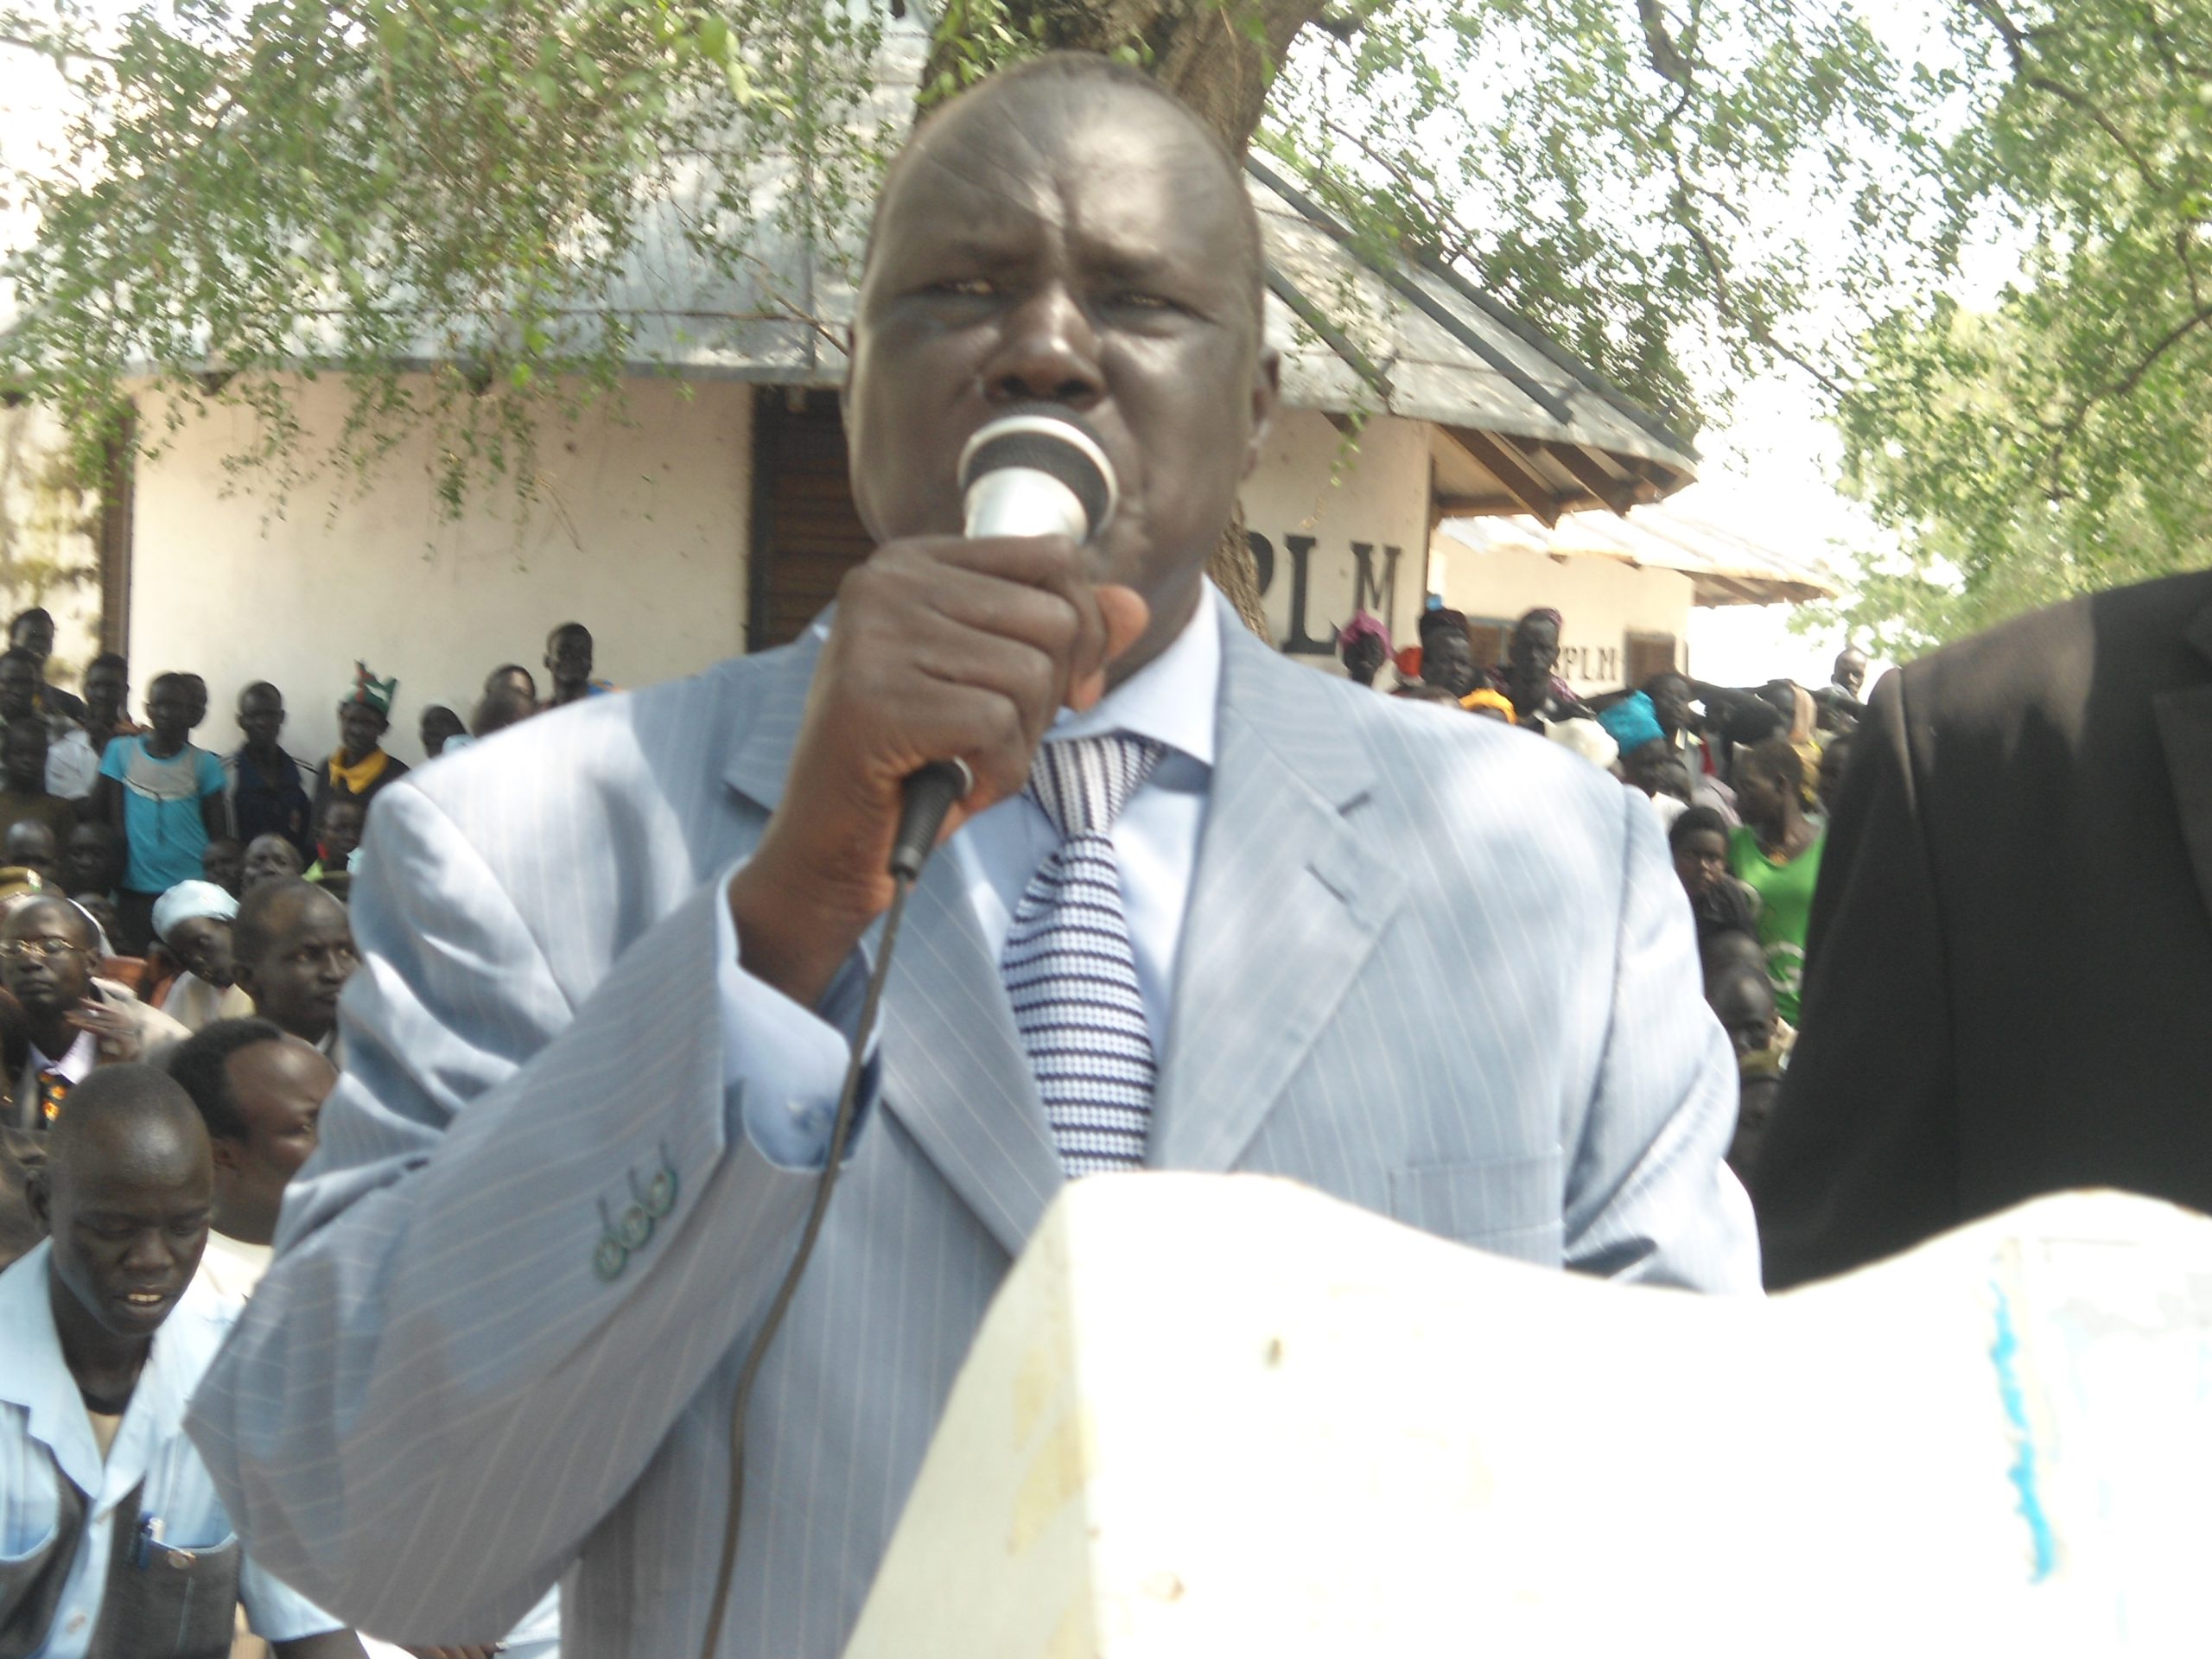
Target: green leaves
(2053, 436)
(378, 181)
(1640, 181)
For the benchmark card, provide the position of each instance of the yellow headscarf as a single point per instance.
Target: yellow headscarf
(1497, 702)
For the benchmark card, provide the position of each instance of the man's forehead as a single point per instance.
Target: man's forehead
(1125, 162)
(136, 1164)
(280, 1070)
(38, 920)
(314, 915)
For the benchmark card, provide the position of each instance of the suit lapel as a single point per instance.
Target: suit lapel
(954, 1070)
(767, 730)
(1285, 906)
(2185, 728)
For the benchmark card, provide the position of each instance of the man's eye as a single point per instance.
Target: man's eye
(967, 288)
(1138, 299)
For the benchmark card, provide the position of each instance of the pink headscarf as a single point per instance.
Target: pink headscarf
(1364, 626)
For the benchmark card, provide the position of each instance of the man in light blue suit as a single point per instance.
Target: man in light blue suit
(610, 964)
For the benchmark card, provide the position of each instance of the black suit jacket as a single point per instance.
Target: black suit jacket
(2009, 983)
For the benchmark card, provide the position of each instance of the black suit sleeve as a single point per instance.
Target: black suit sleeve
(1861, 1160)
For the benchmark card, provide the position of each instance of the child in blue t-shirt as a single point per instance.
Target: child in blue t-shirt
(166, 797)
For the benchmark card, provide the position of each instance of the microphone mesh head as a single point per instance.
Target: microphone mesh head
(1050, 440)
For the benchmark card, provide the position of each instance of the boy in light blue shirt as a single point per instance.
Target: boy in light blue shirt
(166, 797)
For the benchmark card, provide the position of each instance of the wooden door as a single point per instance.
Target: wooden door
(806, 533)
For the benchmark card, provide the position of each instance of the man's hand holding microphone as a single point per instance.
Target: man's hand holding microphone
(944, 648)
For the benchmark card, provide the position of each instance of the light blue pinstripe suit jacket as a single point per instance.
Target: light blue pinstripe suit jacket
(1433, 966)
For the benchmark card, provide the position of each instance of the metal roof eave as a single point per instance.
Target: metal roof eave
(1722, 566)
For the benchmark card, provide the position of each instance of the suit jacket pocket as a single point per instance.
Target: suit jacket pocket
(1511, 1206)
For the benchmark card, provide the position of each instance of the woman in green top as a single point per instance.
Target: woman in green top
(1777, 851)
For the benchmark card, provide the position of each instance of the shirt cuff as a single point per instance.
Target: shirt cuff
(784, 1065)
(276, 1612)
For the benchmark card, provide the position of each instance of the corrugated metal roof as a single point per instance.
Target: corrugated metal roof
(1724, 566)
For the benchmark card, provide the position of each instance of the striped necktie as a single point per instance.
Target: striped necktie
(1068, 967)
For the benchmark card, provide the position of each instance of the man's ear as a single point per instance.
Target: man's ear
(1267, 394)
(242, 976)
(229, 1154)
(38, 1197)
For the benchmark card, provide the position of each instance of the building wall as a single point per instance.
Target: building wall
(1602, 601)
(1318, 505)
(640, 533)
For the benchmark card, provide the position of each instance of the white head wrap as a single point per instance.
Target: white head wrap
(1588, 739)
(187, 900)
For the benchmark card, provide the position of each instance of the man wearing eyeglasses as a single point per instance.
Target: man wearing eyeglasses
(73, 1023)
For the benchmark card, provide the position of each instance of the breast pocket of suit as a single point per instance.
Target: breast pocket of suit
(1509, 1206)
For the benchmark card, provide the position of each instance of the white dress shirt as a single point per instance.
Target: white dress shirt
(788, 1063)
(231, 1267)
(73, 765)
(46, 1435)
(76, 1064)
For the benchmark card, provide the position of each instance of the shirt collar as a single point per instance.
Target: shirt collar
(76, 1064)
(37, 1378)
(1170, 700)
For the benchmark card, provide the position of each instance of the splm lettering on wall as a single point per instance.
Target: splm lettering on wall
(1590, 664)
(1321, 598)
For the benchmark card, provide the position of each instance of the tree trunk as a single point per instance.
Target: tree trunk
(1218, 56)
(1237, 575)
(1218, 64)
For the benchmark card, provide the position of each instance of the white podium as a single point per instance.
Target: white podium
(1212, 1417)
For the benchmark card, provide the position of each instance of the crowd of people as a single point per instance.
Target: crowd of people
(1741, 778)
(174, 938)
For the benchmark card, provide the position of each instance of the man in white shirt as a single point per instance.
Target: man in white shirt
(260, 1091)
(112, 1539)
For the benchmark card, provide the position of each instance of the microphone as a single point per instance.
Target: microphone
(1037, 470)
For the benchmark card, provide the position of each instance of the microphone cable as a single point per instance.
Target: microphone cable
(930, 794)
